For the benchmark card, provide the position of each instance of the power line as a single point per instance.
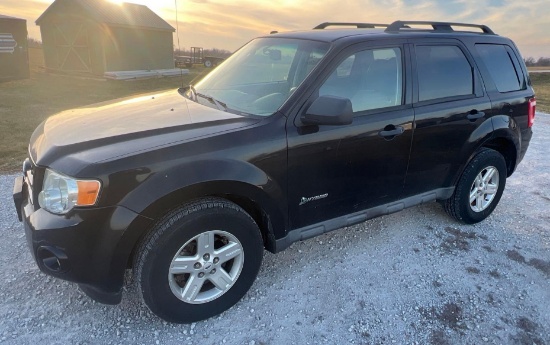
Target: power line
(177, 25)
(178, 37)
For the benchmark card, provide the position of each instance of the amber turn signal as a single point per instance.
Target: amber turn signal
(88, 191)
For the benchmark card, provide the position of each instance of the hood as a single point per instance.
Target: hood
(117, 128)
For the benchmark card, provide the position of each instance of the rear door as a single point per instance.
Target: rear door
(450, 106)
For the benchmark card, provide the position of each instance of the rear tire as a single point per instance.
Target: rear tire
(199, 260)
(479, 189)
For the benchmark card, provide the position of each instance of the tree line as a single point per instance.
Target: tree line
(541, 61)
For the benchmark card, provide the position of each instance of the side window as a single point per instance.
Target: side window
(344, 69)
(501, 68)
(443, 71)
(371, 79)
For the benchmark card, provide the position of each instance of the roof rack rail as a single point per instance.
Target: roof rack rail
(358, 25)
(437, 26)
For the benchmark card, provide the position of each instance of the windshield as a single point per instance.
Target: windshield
(259, 77)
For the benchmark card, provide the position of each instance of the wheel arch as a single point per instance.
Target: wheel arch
(260, 206)
(499, 133)
(506, 139)
(507, 149)
(250, 198)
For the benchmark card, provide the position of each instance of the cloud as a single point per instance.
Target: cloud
(239, 21)
(229, 24)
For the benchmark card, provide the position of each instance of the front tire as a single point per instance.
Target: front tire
(199, 260)
(479, 189)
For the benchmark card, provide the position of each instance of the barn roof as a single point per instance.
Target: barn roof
(125, 14)
(8, 17)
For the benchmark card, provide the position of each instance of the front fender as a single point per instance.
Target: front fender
(167, 189)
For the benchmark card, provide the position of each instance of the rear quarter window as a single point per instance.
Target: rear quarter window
(443, 71)
(499, 63)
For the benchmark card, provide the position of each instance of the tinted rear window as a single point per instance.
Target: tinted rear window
(443, 71)
(499, 63)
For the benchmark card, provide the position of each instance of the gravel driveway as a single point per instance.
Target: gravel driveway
(415, 277)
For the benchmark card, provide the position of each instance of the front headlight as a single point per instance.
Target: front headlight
(61, 193)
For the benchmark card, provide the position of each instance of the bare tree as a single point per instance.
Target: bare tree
(34, 43)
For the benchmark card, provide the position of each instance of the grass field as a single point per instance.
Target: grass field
(26, 103)
(541, 84)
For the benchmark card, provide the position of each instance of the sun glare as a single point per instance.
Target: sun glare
(118, 2)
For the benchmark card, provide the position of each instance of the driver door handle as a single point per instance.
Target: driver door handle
(474, 115)
(397, 130)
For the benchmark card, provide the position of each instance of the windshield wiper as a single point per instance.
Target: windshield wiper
(195, 97)
(221, 106)
(191, 93)
(188, 89)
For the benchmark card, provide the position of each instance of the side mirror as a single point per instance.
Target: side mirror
(329, 110)
(274, 54)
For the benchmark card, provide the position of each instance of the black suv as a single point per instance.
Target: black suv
(294, 135)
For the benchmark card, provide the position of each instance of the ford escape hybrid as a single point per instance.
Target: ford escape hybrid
(294, 135)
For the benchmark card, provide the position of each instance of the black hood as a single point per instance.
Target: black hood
(121, 127)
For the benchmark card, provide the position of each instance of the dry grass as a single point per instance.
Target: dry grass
(36, 59)
(539, 68)
(26, 103)
(541, 84)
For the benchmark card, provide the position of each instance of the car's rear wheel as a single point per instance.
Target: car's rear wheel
(479, 189)
(199, 260)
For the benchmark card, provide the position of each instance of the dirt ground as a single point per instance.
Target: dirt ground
(415, 277)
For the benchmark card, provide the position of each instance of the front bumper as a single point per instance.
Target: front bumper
(88, 246)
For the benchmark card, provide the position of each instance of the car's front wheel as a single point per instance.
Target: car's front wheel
(479, 189)
(199, 260)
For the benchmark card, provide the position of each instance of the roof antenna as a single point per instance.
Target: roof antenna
(178, 37)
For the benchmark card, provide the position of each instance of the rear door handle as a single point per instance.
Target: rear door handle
(397, 130)
(474, 115)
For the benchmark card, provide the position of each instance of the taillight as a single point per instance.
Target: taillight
(531, 117)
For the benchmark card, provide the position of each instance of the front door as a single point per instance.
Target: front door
(338, 170)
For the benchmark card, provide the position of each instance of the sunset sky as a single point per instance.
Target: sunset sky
(228, 24)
